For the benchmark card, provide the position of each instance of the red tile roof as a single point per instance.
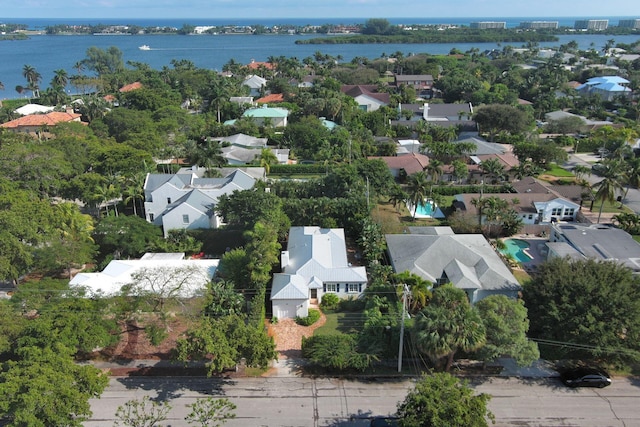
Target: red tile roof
(50, 119)
(131, 86)
(253, 65)
(269, 99)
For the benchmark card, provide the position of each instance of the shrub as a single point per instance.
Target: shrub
(352, 304)
(156, 334)
(330, 302)
(335, 352)
(313, 317)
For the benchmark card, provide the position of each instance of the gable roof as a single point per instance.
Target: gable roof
(468, 260)
(315, 256)
(367, 90)
(49, 119)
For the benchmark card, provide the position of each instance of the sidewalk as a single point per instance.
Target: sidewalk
(539, 369)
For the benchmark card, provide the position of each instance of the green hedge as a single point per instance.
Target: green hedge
(299, 169)
(466, 189)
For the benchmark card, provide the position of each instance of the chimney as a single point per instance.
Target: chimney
(284, 260)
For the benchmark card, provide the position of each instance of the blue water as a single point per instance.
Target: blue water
(515, 248)
(49, 53)
(425, 209)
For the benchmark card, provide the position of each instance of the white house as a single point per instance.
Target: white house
(255, 84)
(367, 96)
(607, 87)
(166, 273)
(440, 256)
(184, 201)
(315, 263)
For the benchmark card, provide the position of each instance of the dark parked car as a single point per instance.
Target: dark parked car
(585, 377)
(384, 422)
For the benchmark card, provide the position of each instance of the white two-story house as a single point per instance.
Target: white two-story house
(184, 201)
(314, 264)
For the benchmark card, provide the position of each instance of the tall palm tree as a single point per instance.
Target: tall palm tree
(60, 78)
(607, 188)
(418, 190)
(267, 158)
(434, 169)
(33, 78)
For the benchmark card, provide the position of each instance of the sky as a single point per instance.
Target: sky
(216, 9)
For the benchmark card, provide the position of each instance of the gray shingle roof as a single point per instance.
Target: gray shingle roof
(467, 259)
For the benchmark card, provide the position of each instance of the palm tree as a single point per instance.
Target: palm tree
(418, 190)
(580, 171)
(460, 170)
(434, 169)
(60, 78)
(493, 167)
(267, 158)
(397, 196)
(610, 184)
(33, 78)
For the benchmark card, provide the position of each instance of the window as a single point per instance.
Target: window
(151, 217)
(331, 287)
(569, 212)
(185, 219)
(556, 211)
(353, 287)
(169, 200)
(530, 216)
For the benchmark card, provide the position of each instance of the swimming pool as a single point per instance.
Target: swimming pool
(426, 209)
(516, 248)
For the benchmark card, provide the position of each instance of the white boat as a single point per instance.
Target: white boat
(144, 47)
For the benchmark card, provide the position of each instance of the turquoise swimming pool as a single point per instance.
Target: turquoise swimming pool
(515, 248)
(425, 209)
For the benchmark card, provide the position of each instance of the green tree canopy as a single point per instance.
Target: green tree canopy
(441, 400)
(47, 388)
(505, 320)
(585, 309)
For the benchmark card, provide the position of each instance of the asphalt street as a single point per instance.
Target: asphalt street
(312, 402)
(632, 200)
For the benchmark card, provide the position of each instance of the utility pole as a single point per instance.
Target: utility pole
(405, 292)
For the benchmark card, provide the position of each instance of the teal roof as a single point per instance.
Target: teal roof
(266, 112)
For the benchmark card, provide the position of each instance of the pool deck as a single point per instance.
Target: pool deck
(537, 250)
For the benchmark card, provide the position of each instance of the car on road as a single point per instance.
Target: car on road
(585, 377)
(384, 422)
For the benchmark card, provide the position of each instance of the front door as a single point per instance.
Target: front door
(314, 297)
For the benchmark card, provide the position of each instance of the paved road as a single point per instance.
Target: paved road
(632, 201)
(287, 401)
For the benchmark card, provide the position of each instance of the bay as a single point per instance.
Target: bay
(49, 53)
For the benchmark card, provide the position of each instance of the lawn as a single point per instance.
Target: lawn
(344, 322)
(396, 221)
(559, 172)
